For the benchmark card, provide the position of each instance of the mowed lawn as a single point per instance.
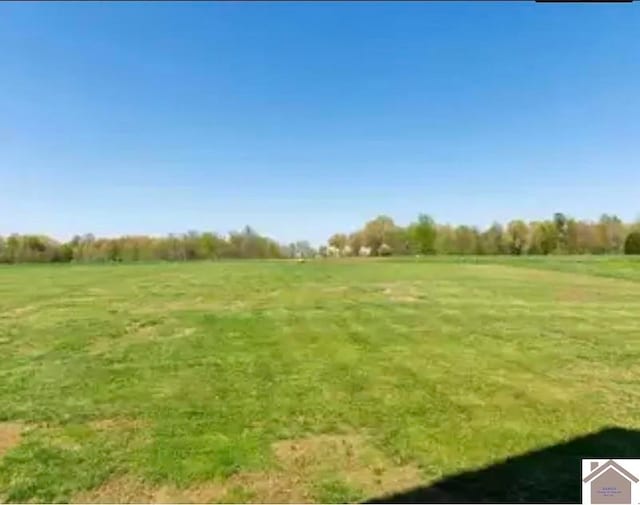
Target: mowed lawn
(324, 381)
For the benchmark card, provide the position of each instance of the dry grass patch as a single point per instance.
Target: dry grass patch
(401, 292)
(118, 424)
(578, 294)
(262, 487)
(192, 304)
(300, 463)
(10, 436)
(350, 457)
(21, 311)
(126, 489)
(335, 289)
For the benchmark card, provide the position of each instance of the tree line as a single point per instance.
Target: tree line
(558, 235)
(246, 243)
(378, 237)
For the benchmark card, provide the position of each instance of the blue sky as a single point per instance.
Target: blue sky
(302, 119)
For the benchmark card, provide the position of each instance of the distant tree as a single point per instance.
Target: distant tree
(339, 241)
(377, 232)
(304, 250)
(544, 237)
(114, 251)
(587, 238)
(423, 234)
(466, 240)
(560, 223)
(355, 242)
(12, 248)
(64, 254)
(84, 247)
(289, 251)
(553, 237)
(632, 243)
(208, 246)
(445, 239)
(379, 236)
(572, 237)
(176, 248)
(493, 240)
(517, 232)
(398, 240)
(611, 232)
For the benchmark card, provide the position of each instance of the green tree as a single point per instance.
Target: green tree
(211, 246)
(398, 240)
(377, 232)
(423, 234)
(612, 233)
(445, 240)
(572, 237)
(355, 242)
(560, 223)
(632, 243)
(544, 237)
(517, 232)
(302, 249)
(339, 241)
(466, 240)
(114, 251)
(493, 240)
(64, 253)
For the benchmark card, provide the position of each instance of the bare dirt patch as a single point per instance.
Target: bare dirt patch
(301, 462)
(10, 436)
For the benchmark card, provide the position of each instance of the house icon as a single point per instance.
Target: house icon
(610, 483)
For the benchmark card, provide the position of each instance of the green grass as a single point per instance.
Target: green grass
(183, 378)
(617, 267)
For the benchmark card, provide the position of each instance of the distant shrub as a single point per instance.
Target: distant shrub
(632, 244)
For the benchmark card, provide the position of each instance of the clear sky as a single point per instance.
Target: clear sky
(303, 119)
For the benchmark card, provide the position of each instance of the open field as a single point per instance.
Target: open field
(323, 381)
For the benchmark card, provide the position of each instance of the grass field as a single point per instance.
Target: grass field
(324, 381)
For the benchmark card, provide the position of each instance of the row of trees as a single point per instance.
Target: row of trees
(378, 237)
(190, 246)
(558, 235)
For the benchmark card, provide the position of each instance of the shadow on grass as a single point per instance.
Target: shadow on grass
(548, 475)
